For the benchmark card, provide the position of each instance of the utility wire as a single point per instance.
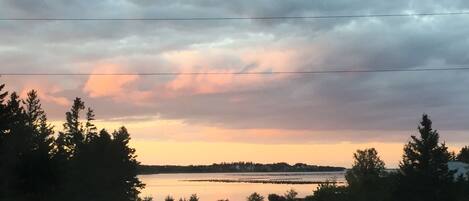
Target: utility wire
(390, 70)
(236, 18)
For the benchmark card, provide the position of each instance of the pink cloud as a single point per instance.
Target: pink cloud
(46, 92)
(108, 85)
(118, 87)
(196, 61)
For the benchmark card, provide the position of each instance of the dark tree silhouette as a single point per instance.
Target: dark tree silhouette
(3, 112)
(79, 164)
(73, 128)
(4, 131)
(424, 174)
(275, 197)
(255, 197)
(366, 178)
(17, 143)
(125, 165)
(463, 155)
(99, 166)
(90, 128)
(367, 166)
(40, 172)
(330, 192)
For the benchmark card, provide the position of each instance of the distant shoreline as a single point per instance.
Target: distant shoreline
(238, 167)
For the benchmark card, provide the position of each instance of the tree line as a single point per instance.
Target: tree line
(79, 163)
(236, 167)
(423, 175)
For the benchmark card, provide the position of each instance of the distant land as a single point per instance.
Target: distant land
(236, 167)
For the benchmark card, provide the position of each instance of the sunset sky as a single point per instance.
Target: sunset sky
(201, 119)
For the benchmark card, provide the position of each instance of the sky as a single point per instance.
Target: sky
(203, 119)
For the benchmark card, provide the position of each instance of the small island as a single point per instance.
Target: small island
(237, 167)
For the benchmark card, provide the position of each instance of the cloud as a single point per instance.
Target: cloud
(46, 91)
(108, 85)
(302, 103)
(221, 61)
(118, 87)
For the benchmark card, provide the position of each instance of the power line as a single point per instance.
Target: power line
(244, 73)
(238, 18)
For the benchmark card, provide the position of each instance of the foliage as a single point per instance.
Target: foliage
(255, 197)
(169, 198)
(424, 174)
(329, 191)
(145, 199)
(79, 164)
(290, 195)
(194, 197)
(275, 197)
(366, 177)
(463, 155)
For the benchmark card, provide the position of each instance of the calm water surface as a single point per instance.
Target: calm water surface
(160, 185)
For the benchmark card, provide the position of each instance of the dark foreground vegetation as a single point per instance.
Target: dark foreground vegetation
(80, 163)
(236, 167)
(423, 175)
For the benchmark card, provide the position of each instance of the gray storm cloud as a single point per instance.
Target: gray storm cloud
(381, 101)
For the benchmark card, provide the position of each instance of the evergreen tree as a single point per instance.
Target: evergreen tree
(96, 169)
(90, 128)
(69, 145)
(79, 164)
(36, 120)
(424, 174)
(74, 133)
(463, 155)
(4, 130)
(17, 144)
(125, 166)
(40, 171)
(100, 167)
(4, 115)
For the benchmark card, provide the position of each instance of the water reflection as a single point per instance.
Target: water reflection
(176, 185)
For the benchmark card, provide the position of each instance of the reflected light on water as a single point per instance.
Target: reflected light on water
(160, 185)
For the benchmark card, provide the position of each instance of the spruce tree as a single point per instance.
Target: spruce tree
(4, 115)
(69, 144)
(463, 155)
(17, 143)
(40, 174)
(74, 131)
(90, 128)
(424, 173)
(124, 159)
(4, 129)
